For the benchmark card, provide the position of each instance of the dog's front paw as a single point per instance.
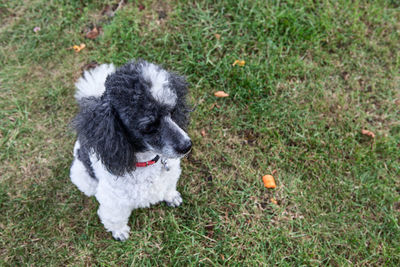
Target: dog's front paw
(175, 200)
(122, 234)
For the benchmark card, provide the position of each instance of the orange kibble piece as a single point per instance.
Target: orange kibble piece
(239, 63)
(269, 181)
(221, 94)
(273, 200)
(368, 133)
(78, 48)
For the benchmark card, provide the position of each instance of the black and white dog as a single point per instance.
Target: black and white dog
(131, 138)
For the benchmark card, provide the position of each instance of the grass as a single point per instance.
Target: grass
(316, 74)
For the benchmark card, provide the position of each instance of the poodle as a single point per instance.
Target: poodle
(130, 139)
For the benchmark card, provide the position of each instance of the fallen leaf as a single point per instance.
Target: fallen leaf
(218, 36)
(36, 29)
(269, 181)
(221, 94)
(368, 133)
(203, 133)
(274, 201)
(79, 48)
(239, 63)
(273, 172)
(93, 33)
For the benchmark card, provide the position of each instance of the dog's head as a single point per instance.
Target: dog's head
(143, 109)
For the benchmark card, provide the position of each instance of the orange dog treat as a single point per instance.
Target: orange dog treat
(269, 181)
(221, 94)
(239, 63)
(368, 133)
(78, 48)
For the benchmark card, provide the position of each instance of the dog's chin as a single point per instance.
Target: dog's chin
(176, 156)
(168, 155)
(171, 156)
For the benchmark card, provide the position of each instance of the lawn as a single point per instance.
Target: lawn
(316, 74)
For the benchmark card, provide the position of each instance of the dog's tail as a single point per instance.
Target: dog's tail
(92, 81)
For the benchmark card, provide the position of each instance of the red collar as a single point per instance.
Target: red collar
(148, 163)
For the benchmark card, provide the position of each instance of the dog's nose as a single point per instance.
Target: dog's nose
(184, 147)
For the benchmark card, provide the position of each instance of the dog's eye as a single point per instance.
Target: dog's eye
(151, 128)
(173, 112)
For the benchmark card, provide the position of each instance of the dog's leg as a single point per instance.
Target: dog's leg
(173, 197)
(115, 220)
(114, 215)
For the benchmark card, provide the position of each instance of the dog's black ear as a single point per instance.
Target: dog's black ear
(181, 112)
(100, 130)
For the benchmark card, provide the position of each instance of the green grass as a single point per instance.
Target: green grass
(316, 74)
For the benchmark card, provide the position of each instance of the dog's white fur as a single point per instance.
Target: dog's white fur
(159, 80)
(118, 196)
(92, 81)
